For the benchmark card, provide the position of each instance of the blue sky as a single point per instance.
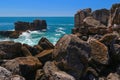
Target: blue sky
(50, 7)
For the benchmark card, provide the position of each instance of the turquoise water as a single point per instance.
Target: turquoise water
(56, 28)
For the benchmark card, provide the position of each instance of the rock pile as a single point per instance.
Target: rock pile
(91, 53)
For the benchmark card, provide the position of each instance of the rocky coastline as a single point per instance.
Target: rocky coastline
(91, 52)
(24, 26)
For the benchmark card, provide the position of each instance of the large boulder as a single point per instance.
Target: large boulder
(10, 50)
(45, 55)
(113, 76)
(35, 25)
(53, 73)
(45, 43)
(99, 52)
(71, 55)
(80, 16)
(4, 73)
(24, 66)
(114, 14)
(91, 22)
(101, 15)
(11, 34)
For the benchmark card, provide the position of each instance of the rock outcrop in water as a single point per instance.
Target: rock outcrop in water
(24, 26)
(35, 25)
(92, 52)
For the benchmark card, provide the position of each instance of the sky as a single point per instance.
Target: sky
(44, 8)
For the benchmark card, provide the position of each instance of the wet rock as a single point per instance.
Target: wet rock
(80, 16)
(11, 34)
(35, 25)
(113, 76)
(45, 55)
(99, 51)
(101, 15)
(24, 66)
(71, 55)
(45, 44)
(53, 73)
(10, 49)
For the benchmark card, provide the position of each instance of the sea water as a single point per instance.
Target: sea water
(56, 28)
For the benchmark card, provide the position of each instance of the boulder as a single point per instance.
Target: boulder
(25, 51)
(91, 22)
(71, 55)
(109, 38)
(80, 16)
(35, 25)
(113, 76)
(101, 15)
(31, 49)
(24, 66)
(114, 14)
(39, 24)
(53, 73)
(15, 77)
(11, 34)
(40, 75)
(45, 43)
(45, 55)
(4, 73)
(10, 49)
(99, 52)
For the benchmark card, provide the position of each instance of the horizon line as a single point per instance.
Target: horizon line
(36, 16)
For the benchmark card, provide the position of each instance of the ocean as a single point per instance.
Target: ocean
(56, 28)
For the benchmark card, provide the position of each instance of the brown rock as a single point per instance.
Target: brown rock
(25, 51)
(10, 49)
(115, 14)
(31, 49)
(45, 44)
(91, 22)
(36, 25)
(45, 55)
(101, 15)
(80, 16)
(53, 73)
(99, 51)
(15, 77)
(40, 75)
(109, 38)
(24, 66)
(11, 34)
(71, 54)
(4, 73)
(113, 76)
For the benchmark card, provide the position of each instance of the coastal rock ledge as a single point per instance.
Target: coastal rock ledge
(24, 26)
